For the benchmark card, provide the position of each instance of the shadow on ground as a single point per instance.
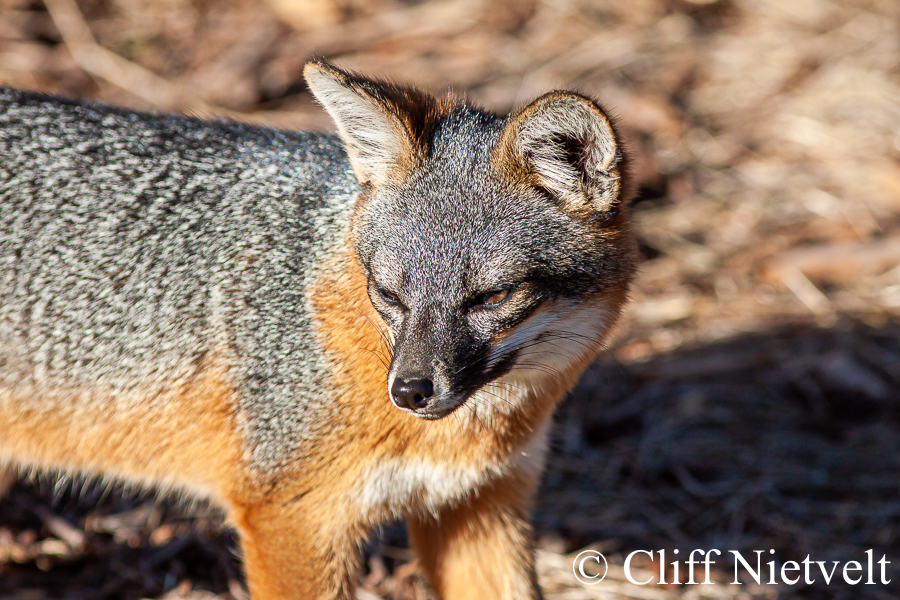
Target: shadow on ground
(784, 440)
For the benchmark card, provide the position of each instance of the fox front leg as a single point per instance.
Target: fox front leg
(481, 550)
(290, 552)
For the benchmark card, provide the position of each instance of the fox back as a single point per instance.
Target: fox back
(318, 332)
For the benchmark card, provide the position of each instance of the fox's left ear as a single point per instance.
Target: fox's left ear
(564, 143)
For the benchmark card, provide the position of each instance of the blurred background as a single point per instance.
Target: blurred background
(750, 399)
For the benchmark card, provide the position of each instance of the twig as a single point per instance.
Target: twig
(806, 291)
(61, 528)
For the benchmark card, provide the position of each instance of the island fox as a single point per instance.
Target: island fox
(319, 333)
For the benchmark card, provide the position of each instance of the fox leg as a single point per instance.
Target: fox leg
(483, 549)
(289, 554)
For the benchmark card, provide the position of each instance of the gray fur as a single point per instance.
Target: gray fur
(132, 246)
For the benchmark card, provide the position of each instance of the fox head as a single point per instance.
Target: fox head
(496, 248)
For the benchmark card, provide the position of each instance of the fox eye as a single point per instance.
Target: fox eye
(389, 297)
(495, 297)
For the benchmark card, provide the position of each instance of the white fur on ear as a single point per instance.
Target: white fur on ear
(373, 137)
(568, 142)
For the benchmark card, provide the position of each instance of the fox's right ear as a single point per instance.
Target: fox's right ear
(564, 143)
(385, 127)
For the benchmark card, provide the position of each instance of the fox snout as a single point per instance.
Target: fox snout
(421, 377)
(416, 393)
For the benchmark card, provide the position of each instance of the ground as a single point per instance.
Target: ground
(749, 401)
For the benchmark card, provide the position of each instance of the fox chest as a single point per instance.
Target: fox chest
(399, 486)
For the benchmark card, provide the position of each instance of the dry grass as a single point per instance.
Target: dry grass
(751, 399)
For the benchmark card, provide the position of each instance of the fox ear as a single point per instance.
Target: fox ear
(565, 144)
(385, 127)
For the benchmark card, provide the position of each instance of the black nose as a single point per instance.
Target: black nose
(411, 393)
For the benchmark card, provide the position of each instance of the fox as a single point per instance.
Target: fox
(320, 333)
